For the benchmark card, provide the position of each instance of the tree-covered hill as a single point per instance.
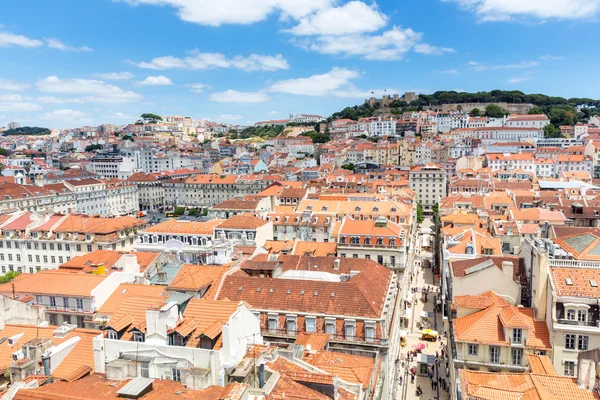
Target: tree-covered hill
(27, 130)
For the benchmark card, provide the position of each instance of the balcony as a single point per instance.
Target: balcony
(62, 309)
(284, 333)
(592, 324)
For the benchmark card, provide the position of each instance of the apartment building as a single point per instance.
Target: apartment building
(111, 166)
(151, 193)
(382, 127)
(429, 183)
(30, 242)
(122, 198)
(352, 300)
(378, 240)
(207, 190)
(194, 343)
(67, 297)
(507, 161)
(527, 120)
(90, 195)
(573, 314)
(17, 196)
(192, 241)
(489, 334)
(306, 226)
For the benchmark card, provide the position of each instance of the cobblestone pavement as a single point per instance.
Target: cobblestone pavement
(406, 390)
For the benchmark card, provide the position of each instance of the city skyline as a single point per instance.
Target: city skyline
(110, 61)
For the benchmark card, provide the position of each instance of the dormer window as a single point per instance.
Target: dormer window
(343, 240)
(357, 209)
(571, 315)
(355, 240)
(582, 315)
(375, 209)
(367, 240)
(380, 241)
(517, 335)
(324, 208)
(393, 209)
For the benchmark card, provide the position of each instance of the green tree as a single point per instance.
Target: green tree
(349, 167)
(3, 152)
(494, 111)
(9, 276)
(475, 112)
(317, 137)
(179, 211)
(151, 116)
(419, 213)
(536, 110)
(551, 131)
(92, 147)
(193, 212)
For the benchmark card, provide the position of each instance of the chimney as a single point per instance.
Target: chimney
(128, 263)
(546, 229)
(336, 264)
(586, 374)
(159, 321)
(261, 374)
(508, 268)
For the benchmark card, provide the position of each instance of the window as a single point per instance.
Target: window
(581, 315)
(138, 336)
(494, 354)
(369, 332)
(571, 315)
(392, 242)
(145, 370)
(51, 246)
(46, 259)
(355, 240)
(290, 325)
(176, 374)
(52, 301)
(79, 303)
(517, 335)
(343, 240)
(367, 240)
(112, 334)
(38, 299)
(311, 324)
(80, 322)
(517, 356)
(65, 302)
(78, 247)
(569, 368)
(30, 258)
(53, 320)
(379, 241)
(330, 326)
(350, 330)
(582, 342)
(89, 248)
(473, 348)
(272, 323)
(44, 246)
(570, 342)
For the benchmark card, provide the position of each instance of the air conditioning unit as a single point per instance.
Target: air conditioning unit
(18, 355)
(14, 339)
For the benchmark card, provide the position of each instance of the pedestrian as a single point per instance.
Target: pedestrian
(436, 355)
(432, 385)
(401, 379)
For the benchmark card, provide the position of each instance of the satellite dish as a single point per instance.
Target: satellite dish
(308, 347)
(171, 321)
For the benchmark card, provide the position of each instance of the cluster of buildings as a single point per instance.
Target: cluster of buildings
(288, 269)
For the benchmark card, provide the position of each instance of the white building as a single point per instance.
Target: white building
(538, 121)
(112, 166)
(382, 127)
(429, 183)
(178, 346)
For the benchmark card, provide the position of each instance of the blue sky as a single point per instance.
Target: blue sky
(68, 63)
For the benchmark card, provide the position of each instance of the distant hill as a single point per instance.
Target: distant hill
(561, 111)
(27, 131)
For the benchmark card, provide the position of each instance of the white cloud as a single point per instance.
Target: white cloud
(229, 117)
(57, 44)
(548, 57)
(449, 71)
(17, 103)
(91, 90)
(273, 112)
(199, 61)
(477, 66)
(160, 80)
(197, 87)
(216, 13)
(64, 115)
(8, 39)
(389, 45)
(233, 96)
(336, 83)
(504, 10)
(352, 17)
(6, 84)
(425, 48)
(519, 79)
(115, 76)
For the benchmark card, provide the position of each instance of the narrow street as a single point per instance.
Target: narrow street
(423, 277)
